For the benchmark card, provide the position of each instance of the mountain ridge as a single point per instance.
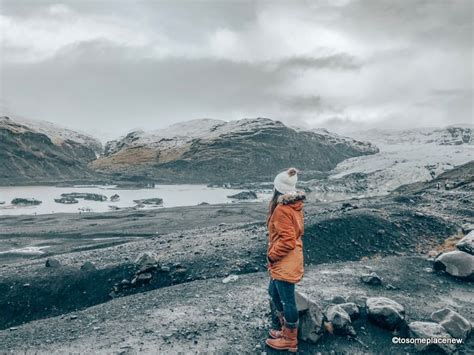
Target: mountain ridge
(35, 152)
(220, 151)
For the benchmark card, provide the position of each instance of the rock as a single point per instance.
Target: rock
(466, 244)
(456, 263)
(51, 262)
(115, 198)
(146, 262)
(244, 195)
(351, 309)
(66, 200)
(371, 279)
(230, 278)
(338, 299)
(430, 330)
(144, 277)
(26, 202)
(311, 319)
(88, 266)
(455, 324)
(85, 196)
(467, 228)
(385, 312)
(156, 201)
(339, 319)
(203, 203)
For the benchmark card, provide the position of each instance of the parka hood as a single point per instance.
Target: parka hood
(292, 198)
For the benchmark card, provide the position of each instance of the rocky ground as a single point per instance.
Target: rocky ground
(96, 297)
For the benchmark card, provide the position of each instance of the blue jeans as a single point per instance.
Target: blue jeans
(282, 294)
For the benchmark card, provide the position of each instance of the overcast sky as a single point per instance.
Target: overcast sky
(106, 67)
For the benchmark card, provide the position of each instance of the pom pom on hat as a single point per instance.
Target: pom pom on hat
(285, 182)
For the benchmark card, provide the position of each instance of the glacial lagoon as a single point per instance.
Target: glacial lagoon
(172, 195)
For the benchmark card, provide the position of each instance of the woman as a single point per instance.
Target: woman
(285, 224)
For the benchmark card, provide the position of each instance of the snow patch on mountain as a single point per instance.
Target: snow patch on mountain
(57, 134)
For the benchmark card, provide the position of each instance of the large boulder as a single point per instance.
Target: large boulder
(88, 266)
(385, 312)
(311, 316)
(430, 331)
(371, 279)
(455, 324)
(467, 228)
(51, 262)
(25, 202)
(146, 262)
(456, 263)
(339, 319)
(351, 309)
(467, 243)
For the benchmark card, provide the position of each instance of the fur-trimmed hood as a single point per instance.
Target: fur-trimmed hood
(291, 197)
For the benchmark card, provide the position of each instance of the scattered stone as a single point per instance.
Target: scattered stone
(466, 244)
(165, 268)
(311, 319)
(203, 203)
(390, 287)
(88, 266)
(467, 228)
(456, 263)
(340, 320)
(230, 278)
(385, 312)
(144, 277)
(13, 329)
(51, 262)
(430, 330)
(244, 195)
(85, 196)
(115, 198)
(371, 279)
(73, 317)
(66, 200)
(351, 309)
(26, 285)
(455, 324)
(26, 202)
(338, 300)
(146, 262)
(150, 201)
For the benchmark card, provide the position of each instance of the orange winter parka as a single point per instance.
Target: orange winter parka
(285, 245)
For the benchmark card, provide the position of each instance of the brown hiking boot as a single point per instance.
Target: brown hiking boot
(287, 341)
(275, 333)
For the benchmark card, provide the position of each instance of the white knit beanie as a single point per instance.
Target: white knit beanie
(285, 182)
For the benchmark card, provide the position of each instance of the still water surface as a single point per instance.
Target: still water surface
(172, 195)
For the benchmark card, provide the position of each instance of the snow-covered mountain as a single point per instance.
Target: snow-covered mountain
(36, 151)
(451, 135)
(405, 156)
(209, 150)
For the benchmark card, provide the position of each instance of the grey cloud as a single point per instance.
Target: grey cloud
(100, 87)
(95, 84)
(341, 61)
